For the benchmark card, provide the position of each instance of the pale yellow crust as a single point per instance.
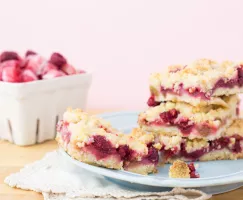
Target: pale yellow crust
(179, 169)
(144, 169)
(112, 162)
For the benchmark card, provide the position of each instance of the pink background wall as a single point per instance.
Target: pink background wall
(124, 40)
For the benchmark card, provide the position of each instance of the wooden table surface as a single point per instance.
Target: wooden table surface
(13, 158)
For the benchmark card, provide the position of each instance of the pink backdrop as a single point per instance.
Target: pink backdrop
(124, 40)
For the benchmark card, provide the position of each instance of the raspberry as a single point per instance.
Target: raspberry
(124, 152)
(153, 155)
(58, 60)
(151, 102)
(191, 167)
(185, 125)
(35, 63)
(194, 175)
(11, 74)
(169, 116)
(240, 75)
(101, 144)
(28, 75)
(29, 52)
(9, 55)
(48, 67)
(68, 69)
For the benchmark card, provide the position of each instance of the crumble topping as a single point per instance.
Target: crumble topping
(142, 136)
(83, 126)
(77, 115)
(196, 144)
(236, 128)
(170, 142)
(137, 140)
(203, 73)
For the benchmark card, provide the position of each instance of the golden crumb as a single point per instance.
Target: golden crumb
(236, 128)
(74, 115)
(142, 136)
(179, 169)
(157, 146)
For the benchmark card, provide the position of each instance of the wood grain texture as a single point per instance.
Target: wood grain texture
(13, 158)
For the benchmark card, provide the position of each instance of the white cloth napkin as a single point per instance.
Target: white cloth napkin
(49, 177)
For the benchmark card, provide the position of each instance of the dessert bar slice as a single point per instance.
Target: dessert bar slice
(139, 152)
(228, 147)
(199, 83)
(89, 139)
(92, 140)
(185, 120)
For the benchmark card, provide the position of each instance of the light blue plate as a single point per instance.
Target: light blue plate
(216, 176)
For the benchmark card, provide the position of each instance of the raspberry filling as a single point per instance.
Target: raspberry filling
(214, 145)
(101, 147)
(128, 155)
(196, 91)
(193, 173)
(151, 102)
(152, 157)
(62, 127)
(186, 126)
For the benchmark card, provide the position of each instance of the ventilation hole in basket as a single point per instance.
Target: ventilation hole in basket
(55, 128)
(57, 118)
(10, 130)
(37, 130)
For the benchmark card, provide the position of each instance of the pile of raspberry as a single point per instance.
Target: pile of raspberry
(32, 67)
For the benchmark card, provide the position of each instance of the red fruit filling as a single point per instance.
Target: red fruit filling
(58, 60)
(151, 102)
(170, 118)
(101, 147)
(194, 91)
(125, 152)
(62, 127)
(214, 145)
(193, 173)
(185, 125)
(152, 157)
(9, 55)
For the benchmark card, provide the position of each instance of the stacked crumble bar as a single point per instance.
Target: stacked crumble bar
(92, 140)
(193, 109)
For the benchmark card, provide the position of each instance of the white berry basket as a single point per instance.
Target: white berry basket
(29, 111)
